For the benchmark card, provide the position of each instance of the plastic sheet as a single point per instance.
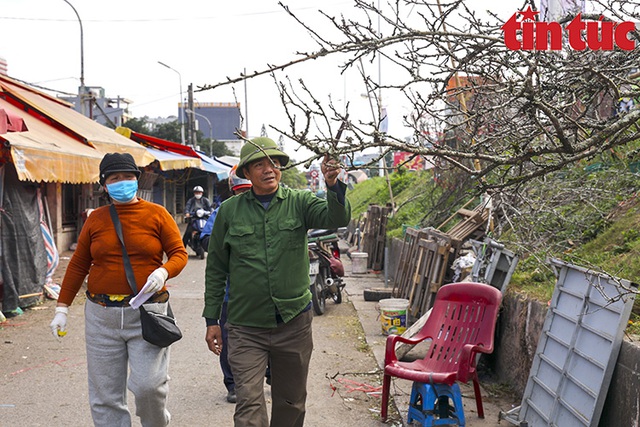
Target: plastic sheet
(23, 255)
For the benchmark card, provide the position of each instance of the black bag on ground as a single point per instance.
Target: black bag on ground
(159, 329)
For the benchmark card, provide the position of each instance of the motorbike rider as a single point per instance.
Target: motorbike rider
(198, 201)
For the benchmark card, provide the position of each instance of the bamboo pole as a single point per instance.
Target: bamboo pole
(36, 294)
(461, 98)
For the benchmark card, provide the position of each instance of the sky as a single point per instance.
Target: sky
(203, 42)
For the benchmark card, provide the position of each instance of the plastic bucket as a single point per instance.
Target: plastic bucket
(359, 262)
(393, 315)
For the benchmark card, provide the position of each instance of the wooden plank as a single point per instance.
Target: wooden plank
(376, 262)
(374, 214)
(374, 230)
(468, 226)
(412, 255)
(470, 215)
(454, 215)
(447, 248)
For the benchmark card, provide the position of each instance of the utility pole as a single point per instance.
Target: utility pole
(192, 120)
(81, 95)
(210, 129)
(246, 107)
(180, 104)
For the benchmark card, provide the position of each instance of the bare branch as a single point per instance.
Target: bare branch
(501, 116)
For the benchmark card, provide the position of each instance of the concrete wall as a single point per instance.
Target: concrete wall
(519, 325)
(517, 333)
(622, 407)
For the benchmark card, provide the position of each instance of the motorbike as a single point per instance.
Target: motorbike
(198, 220)
(325, 268)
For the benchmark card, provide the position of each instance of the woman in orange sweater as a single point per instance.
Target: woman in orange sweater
(113, 333)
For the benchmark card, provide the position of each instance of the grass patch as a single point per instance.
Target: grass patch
(616, 250)
(415, 195)
(587, 217)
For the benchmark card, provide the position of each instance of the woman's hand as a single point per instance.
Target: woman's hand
(59, 323)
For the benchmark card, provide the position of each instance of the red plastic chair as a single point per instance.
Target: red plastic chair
(461, 324)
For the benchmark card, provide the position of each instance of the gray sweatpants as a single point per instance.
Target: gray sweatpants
(116, 351)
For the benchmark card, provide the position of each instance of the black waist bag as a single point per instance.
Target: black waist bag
(159, 329)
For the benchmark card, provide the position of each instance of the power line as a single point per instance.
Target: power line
(44, 88)
(191, 18)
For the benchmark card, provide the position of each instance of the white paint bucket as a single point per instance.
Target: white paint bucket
(359, 262)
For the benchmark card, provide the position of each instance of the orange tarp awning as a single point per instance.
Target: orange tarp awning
(101, 137)
(43, 153)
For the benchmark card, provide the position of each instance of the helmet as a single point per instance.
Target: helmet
(198, 189)
(235, 182)
(259, 148)
(200, 213)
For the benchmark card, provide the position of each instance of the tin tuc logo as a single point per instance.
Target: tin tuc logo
(581, 35)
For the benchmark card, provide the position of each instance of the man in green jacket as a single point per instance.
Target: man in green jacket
(259, 241)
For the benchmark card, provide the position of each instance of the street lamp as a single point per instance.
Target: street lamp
(181, 109)
(81, 94)
(210, 130)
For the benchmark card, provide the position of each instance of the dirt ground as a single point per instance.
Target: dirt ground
(43, 379)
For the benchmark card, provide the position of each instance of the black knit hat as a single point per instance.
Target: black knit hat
(117, 162)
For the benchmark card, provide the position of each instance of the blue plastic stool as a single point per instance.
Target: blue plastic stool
(431, 405)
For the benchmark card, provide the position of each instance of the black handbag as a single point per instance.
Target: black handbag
(157, 328)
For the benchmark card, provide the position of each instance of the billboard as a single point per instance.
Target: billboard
(408, 160)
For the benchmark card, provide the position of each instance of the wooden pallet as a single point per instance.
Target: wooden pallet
(406, 263)
(377, 263)
(422, 284)
(374, 236)
(472, 220)
(420, 270)
(426, 256)
(447, 249)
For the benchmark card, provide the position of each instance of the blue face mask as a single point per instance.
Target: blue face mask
(123, 191)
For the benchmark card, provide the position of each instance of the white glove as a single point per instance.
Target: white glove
(59, 323)
(155, 281)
